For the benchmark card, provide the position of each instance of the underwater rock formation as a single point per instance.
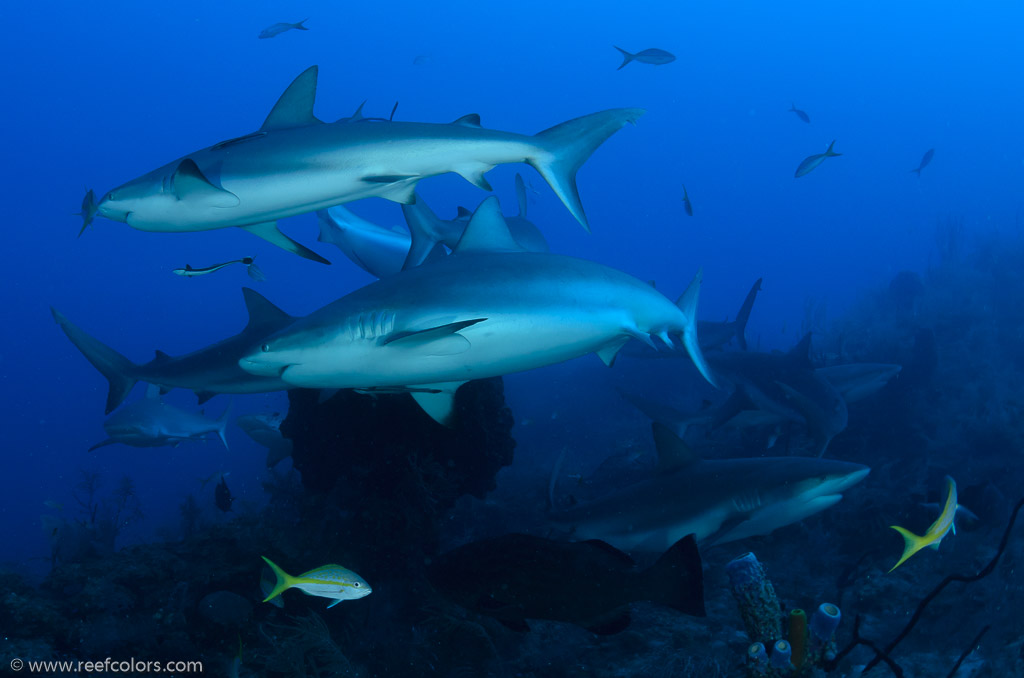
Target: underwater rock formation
(384, 459)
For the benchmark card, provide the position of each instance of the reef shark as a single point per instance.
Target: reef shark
(488, 309)
(783, 384)
(150, 422)
(383, 251)
(295, 163)
(208, 371)
(717, 500)
(265, 429)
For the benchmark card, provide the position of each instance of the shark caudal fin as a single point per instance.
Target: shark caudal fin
(912, 543)
(677, 578)
(284, 580)
(687, 303)
(626, 57)
(90, 208)
(562, 150)
(426, 230)
(744, 315)
(118, 370)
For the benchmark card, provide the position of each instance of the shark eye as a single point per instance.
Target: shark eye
(265, 348)
(110, 196)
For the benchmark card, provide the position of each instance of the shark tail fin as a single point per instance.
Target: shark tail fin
(222, 424)
(117, 369)
(677, 578)
(687, 303)
(744, 314)
(89, 209)
(284, 580)
(626, 57)
(426, 230)
(912, 543)
(561, 150)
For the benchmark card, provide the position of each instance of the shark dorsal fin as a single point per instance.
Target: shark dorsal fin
(487, 231)
(521, 195)
(463, 213)
(189, 183)
(673, 453)
(468, 120)
(622, 558)
(161, 357)
(801, 353)
(295, 106)
(358, 115)
(261, 311)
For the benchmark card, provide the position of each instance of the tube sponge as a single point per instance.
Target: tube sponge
(757, 655)
(781, 655)
(756, 599)
(824, 622)
(798, 637)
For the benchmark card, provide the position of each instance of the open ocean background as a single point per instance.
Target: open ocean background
(100, 93)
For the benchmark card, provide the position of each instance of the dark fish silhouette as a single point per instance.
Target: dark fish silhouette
(278, 29)
(800, 114)
(251, 268)
(653, 56)
(687, 205)
(812, 161)
(924, 161)
(222, 496)
(518, 577)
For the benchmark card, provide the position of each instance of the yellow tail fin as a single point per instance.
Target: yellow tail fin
(911, 544)
(284, 580)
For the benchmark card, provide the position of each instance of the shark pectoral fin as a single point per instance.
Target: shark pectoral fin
(436, 341)
(608, 352)
(108, 441)
(724, 529)
(402, 188)
(203, 396)
(326, 394)
(269, 232)
(673, 453)
(487, 231)
(189, 183)
(463, 212)
(438, 401)
(295, 106)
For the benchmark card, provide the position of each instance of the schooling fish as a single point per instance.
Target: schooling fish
(924, 162)
(327, 581)
(686, 202)
(812, 161)
(653, 56)
(936, 532)
(250, 266)
(278, 29)
(518, 577)
(800, 114)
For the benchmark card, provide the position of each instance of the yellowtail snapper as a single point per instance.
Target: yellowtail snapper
(687, 205)
(800, 114)
(812, 161)
(927, 158)
(653, 56)
(327, 581)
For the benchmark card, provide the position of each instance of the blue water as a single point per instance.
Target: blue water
(96, 96)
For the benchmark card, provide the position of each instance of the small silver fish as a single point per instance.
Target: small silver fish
(800, 114)
(924, 161)
(251, 268)
(812, 161)
(686, 202)
(278, 29)
(653, 56)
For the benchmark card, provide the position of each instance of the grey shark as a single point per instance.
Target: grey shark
(383, 251)
(208, 371)
(857, 381)
(150, 422)
(783, 384)
(488, 309)
(717, 500)
(265, 429)
(295, 163)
